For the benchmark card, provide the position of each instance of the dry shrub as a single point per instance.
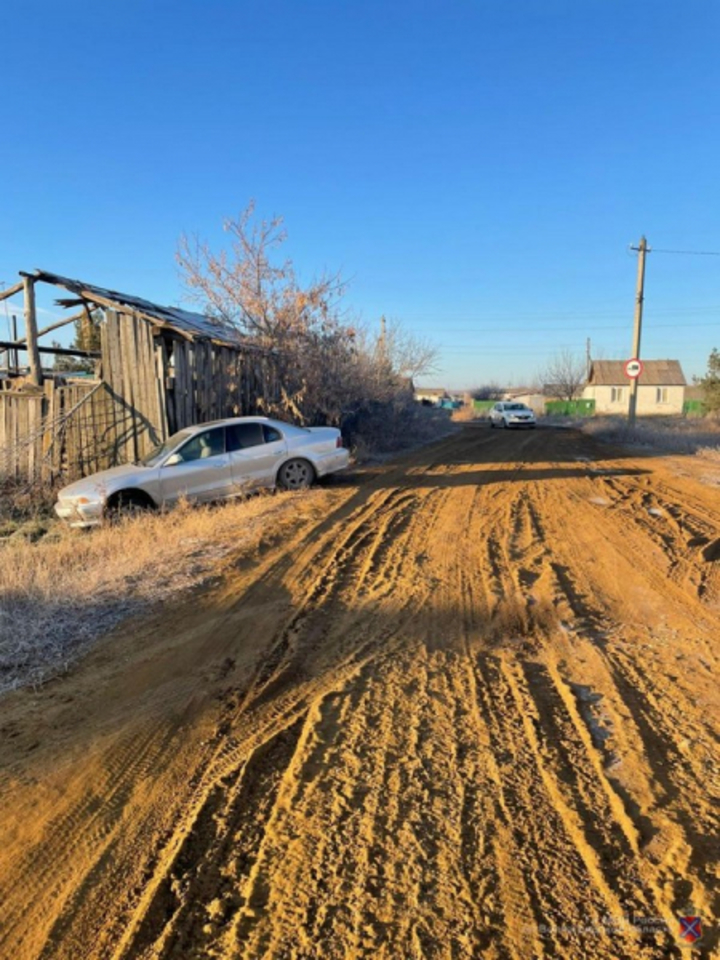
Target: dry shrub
(393, 426)
(21, 501)
(59, 594)
(667, 434)
(709, 453)
(468, 413)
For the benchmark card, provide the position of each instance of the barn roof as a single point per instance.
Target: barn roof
(656, 373)
(194, 326)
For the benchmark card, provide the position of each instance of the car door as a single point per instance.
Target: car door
(256, 450)
(200, 469)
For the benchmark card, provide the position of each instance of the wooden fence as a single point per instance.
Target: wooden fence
(64, 431)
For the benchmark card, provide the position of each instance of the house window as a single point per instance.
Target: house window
(661, 395)
(616, 394)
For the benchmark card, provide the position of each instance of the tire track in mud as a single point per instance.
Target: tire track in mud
(449, 741)
(84, 829)
(665, 773)
(686, 535)
(568, 594)
(347, 564)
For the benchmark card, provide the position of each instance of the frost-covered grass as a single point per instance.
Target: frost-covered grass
(67, 588)
(679, 435)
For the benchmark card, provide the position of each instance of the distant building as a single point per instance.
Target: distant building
(529, 396)
(433, 395)
(661, 387)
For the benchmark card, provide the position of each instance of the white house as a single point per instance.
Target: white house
(530, 397)
(661, 387)
(431, 394)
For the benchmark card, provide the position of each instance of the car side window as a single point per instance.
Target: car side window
(209, 443)
(271, 434)
(240, 436)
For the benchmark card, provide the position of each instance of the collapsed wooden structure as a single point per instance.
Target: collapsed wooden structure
(158, 369)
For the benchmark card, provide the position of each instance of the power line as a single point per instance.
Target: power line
(687, 253)
(589, 326)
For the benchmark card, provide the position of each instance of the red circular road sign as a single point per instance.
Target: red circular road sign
(633, 368)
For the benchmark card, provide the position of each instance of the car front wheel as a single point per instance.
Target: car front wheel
(126, 505)
(296, 475)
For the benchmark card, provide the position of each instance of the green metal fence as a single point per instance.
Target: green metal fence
(694, 408)
(570, 408)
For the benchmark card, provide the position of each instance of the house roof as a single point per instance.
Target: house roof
(432, 391)
(193, 326)
(660, 373)
(523, 392)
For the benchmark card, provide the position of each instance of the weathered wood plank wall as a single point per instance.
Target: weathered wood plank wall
(154, 383)
(130, 371)
(206, 381)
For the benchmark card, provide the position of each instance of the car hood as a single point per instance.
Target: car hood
(106, 481)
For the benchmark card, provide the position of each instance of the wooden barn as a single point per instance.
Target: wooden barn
(158, 369)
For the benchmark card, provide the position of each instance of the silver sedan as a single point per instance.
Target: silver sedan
(211, 461)
(511, 415)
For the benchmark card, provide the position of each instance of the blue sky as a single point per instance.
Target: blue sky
(476, 169)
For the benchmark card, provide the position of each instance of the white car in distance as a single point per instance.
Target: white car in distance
(508, 414)
(210, 461)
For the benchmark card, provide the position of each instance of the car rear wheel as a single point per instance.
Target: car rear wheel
(296, 475)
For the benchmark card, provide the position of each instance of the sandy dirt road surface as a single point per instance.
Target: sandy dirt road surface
(468, 711)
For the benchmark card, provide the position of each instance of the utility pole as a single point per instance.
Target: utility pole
(642, 249)
(588, 359)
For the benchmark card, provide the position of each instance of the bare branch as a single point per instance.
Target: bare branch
(564, 376)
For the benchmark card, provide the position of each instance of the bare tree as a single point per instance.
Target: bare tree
(409, 355)
(564, 376)
(330, 369)
(245, 288)
(489, 391)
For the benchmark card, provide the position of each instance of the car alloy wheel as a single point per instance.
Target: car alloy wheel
(296, 475)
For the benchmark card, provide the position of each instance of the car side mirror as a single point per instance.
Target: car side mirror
(172, 460)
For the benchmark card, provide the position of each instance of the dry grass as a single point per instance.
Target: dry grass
(468, 413)
(678, 435)
(70, 587)
(26, 510)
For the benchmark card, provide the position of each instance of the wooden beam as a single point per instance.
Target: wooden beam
(59, 351)
(4, 294)
(53, 326)
(36, 374)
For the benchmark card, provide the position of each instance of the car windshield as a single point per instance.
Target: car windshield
(163, 449)
(515, 406)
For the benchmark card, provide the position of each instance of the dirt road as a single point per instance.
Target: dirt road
(470, 713)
